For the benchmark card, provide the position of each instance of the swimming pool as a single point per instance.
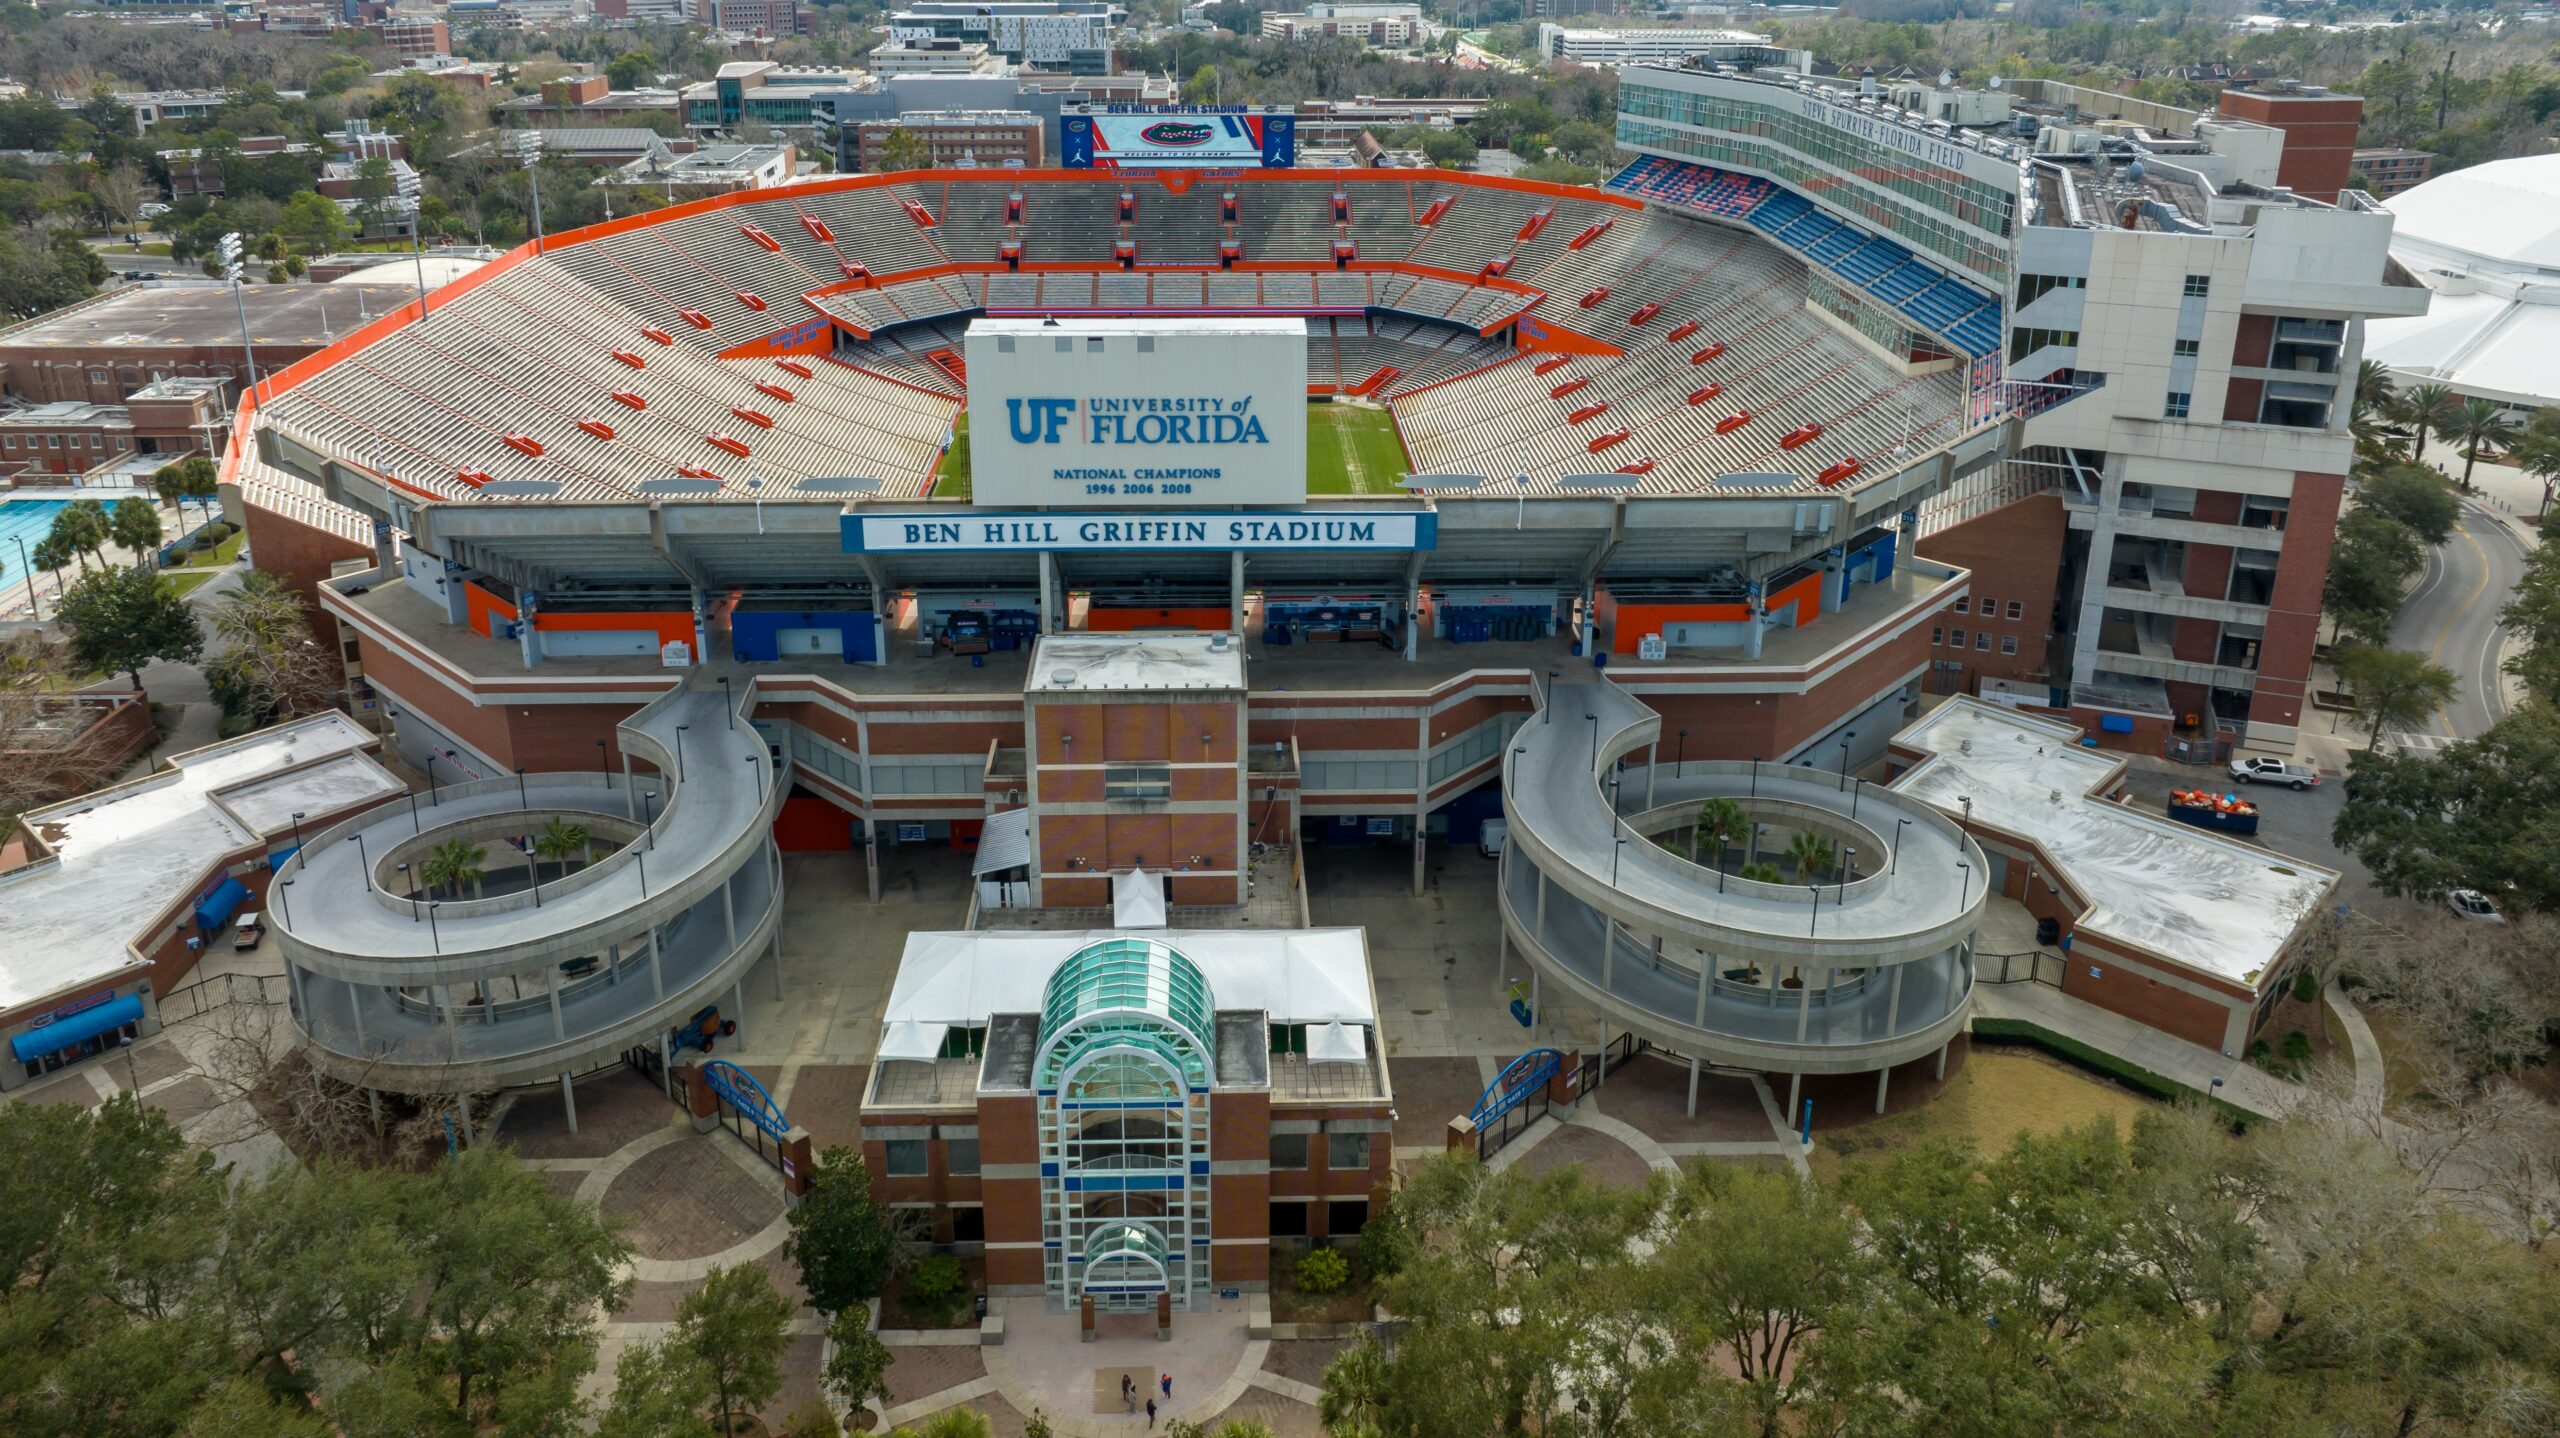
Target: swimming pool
(22, 519)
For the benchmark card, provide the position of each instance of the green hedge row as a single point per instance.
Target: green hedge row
(2103, 1064)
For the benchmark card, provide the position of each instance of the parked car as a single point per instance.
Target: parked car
(2472, 904)
(2274, 771)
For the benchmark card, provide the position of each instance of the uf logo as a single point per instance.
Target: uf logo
(1047, 419)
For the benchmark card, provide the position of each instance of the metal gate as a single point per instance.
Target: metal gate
(747, 1110)
(2032, 967)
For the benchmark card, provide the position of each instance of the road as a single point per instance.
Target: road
(2452, 617)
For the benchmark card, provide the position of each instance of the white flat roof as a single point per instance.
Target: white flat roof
(1298, 976)
(2223, 908)
(123, 855)
(1111, 663)
(1181, 325)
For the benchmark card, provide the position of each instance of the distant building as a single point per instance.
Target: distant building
(587, 101)
(1339, 124)
(937, 56)
(782, 96)
(103, 350)
(195, 172)
(69, 436)
(710, 170)
(413, 38)
(2390, 172)
(756, 17)
(1071, 35)
(1383, 27)
(1131, 88)
(1662, 46)
(958, 139)
(2319, 132)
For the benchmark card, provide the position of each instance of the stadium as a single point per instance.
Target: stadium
(1137, 528)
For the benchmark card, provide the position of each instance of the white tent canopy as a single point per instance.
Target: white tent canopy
(908, 1039)
(1137, 900)
(1298, 976)
(1335, 1043)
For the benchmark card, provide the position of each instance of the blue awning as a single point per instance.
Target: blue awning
(218, 906)
(86, 1024)
(276, 859)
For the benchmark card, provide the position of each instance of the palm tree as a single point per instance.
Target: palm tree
(1812, 854)
(2373, 386)
(78, 528)
(1353, 1398)
(558, 840)
(2481, 424)
(135, 525)
(2427, 407)
(2371, 421)
(1723, 819)
(1761, 873)
(454, 863)
(51, 553)
(2537, 453)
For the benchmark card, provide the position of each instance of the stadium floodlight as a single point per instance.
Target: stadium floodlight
(227, 254)
(529, 154)
(1440, 483)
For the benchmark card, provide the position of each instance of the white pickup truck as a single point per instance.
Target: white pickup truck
(2273, 771)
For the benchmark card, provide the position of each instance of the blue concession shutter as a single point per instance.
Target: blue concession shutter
(218, 906)
(86, 1024)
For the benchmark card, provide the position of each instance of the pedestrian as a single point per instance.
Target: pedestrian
(1168, 1387)
(1151, 1413)
(1129, 1394)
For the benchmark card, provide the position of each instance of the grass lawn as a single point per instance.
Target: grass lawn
(1353, 449)
(951, 481)
(220, 555)
(1996, 1094)
(184, 580)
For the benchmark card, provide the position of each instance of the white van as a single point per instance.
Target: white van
(1490, 838)
(246, 933)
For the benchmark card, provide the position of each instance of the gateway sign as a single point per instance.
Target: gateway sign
(1065, 533)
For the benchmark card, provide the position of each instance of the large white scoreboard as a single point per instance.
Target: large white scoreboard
(1112, 412)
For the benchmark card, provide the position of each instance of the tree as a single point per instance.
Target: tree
(270, 666)
(2481, 813)
(2370, 567)
(558, 840)
(126, 618)
(2532, 613)
(2393, 688)
(2481, 424)
(313, 223)
(633, 68)
(1451, 149)
(135, 525)
(38, 278)
(2537, 453)
(1760, 1266)
(2374, 391)
(1722, 820)
(659, 1391)
(844, 1241)
(734, 1326)
(37, 764)
(51, 553)
(2423, 408)
(452, 864)
(1812, 854)
(858, 1369)
(904, 149)
(83, 528)
(2415, 496)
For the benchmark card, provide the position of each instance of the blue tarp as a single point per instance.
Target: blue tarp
(217, 907)
(88, 1023)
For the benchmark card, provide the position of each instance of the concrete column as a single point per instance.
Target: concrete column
(738, 996)
(871, 856)
(559, 1026)
(630, 796)
(1795, 1089)
(463, 1101)
(1542, 907)
(1608, 951)
(569, 1100)
(1893, 1003)
(1652, 766)
(776, 962)
(452, 1025)
(1537, 1015)
(729, 910)
(701, 627)
(1942, 1059)
(657, 979)
(527, 638)
(355, 1011)
(1419, 838)
(666, 1064)
(1693, 1088)
(1235, 590)
(1804, 1005)
(1751, 623)
(1706, 971)
(1602, 1076)
(1884, 1076)
(1051, 621)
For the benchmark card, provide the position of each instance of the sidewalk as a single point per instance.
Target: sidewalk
(2243, 1086)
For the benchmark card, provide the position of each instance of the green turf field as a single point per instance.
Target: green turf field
(951, 481)
(1352, 449)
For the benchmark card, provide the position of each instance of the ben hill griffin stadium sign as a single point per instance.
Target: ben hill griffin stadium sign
(1166, 532)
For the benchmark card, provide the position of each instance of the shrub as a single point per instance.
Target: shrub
(2306, 986)
(1323, 1271)
(2297, 1047)
(937, 1279)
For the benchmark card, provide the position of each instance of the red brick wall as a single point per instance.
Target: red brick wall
(2124, 988)
(2293, 614)
(301, 556)
(2319, 136)
(2015, 552)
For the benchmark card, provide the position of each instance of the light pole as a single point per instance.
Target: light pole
(728, 705)
(1680, 755)
(363, 866)
(1898, 826)
(1552, 676)
(434, 938)
(1815, 926)
(521, 801)
(133, 1071)
(416, 825)
(1595, 742)
(435, 791)
(680, 728)
(1844, 752)
(1613, 860)
(602, 772)
(641, 857)
(226, 254)
(529, 154)
(297, 828)
(1721, 841)
(1964, 890)
(33, 608)
(759, 773)
(409, 891)
(1848, 867)
(649, 815)
(284, 900)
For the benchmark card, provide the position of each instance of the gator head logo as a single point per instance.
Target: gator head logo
(1177, 134)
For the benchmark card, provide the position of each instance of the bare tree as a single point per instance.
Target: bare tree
(270, 664)
(47, 750)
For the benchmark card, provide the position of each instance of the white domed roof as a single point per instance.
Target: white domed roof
(2507, 210)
